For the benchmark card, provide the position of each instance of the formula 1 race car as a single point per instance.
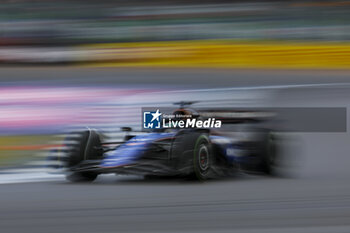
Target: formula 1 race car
(186, 152)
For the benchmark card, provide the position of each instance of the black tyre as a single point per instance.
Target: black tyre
(81, 176)
(202, 158)
(269, 160)
(82, 146)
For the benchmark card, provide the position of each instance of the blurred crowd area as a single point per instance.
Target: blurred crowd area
(53, 31)
(46, 23)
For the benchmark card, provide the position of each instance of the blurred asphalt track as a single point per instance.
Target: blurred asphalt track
(190, 78)
(316, 198)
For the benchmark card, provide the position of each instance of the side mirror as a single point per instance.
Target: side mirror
(126, 129)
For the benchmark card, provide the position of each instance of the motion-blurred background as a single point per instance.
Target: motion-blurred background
(244, 34)
(68, 64)
(44, 45)
(51, 35)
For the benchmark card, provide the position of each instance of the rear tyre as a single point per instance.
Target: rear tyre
(202, 158)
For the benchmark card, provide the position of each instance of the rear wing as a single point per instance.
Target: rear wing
(232, 116)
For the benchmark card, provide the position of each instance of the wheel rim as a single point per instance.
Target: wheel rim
(203, 157)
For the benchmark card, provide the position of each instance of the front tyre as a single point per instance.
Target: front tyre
(81, 176)
(85, 145)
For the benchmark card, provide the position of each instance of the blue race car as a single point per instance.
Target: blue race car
(191, 152)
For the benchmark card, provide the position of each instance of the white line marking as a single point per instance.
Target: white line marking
(28, 176)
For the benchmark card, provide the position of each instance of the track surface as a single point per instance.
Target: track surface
(190, 78)
(246, 204)
(315, 199)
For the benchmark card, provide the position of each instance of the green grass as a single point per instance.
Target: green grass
(19, 149)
